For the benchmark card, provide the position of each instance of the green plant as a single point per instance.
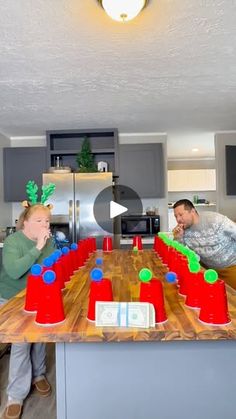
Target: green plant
(85, 159)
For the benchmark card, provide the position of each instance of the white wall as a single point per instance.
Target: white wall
(37, 141)
(180, 145)
(225, 204)
(160, 203)
(34, 141)
(5, 212)
(5, 207)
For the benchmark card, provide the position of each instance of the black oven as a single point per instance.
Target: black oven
(143, 225)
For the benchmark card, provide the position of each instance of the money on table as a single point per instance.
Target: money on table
(124, 314)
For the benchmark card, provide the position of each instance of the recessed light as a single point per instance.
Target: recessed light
(195, 150)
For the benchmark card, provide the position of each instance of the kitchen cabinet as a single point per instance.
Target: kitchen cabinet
(21, 164)
(142, 169)
(230, 166)
(66, 144)
(191, 180)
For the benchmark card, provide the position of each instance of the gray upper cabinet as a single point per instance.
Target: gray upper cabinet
(66, 144)
(142, 169)
(21, 164)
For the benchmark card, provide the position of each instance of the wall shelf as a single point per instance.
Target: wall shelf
(67, 144)
(94, 151)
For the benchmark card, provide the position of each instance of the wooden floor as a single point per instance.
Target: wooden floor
(34, 406)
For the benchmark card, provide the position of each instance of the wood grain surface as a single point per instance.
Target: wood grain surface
(122, 267)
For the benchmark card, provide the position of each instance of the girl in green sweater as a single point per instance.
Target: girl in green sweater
(30, 244)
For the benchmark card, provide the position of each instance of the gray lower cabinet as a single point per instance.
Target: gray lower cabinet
(137, 380)
(21, 164)
(142, 169)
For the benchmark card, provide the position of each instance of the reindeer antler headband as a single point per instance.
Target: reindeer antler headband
(32, 193)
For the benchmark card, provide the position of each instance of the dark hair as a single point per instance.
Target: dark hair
(188, 205)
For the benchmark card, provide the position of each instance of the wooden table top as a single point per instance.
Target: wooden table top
(122, 267)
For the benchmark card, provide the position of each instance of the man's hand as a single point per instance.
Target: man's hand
(178, 231)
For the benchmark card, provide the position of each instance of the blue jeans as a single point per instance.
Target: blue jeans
(27, 362)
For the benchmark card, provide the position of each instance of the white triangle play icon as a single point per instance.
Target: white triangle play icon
(116, 209)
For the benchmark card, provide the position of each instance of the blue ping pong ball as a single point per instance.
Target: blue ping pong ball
(48, 261)
(171, 277)
(65, 250)
(96, 274)
(58, 253)
(74, 246)
(54, 257)
(99, 261)
(36, 269)
(49, 277)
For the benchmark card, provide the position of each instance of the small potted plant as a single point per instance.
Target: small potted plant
(85, 158)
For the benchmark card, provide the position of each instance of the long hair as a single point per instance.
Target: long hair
(26, 214)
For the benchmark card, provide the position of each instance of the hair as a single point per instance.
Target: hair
(26, 214)
(188, 205)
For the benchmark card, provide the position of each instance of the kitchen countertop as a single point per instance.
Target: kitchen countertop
(122, 267)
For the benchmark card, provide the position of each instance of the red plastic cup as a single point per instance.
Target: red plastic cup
(183, 275)
(99, 291)
(58, 269)
(214, 306)
(93, 243)
(137, 242)
(107, 245)
(194, 290)
(92, 246)
(32, 293)
(152, 292)
(50, 304)
(66, 266)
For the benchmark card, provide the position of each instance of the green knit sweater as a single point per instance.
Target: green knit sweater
(19, 254)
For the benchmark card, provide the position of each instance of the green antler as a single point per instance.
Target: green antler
(47, 191)
(31, 190)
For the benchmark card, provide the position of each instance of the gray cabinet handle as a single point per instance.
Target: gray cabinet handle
(71, 230)
(77, 218)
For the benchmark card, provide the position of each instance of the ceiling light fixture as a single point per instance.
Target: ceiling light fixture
(123, 10)
(195, 150)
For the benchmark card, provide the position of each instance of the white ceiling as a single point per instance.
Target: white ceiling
(65, 64)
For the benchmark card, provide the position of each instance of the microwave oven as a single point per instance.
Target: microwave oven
(143, 225)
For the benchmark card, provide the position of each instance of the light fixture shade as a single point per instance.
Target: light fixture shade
(123, 10)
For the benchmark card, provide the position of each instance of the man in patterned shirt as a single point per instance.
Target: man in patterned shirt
(211, 235)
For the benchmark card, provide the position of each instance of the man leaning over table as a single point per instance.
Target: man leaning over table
(211, 235)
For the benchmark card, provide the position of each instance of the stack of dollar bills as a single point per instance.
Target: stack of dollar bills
(123, 314)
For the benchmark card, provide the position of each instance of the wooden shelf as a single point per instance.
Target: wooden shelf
(67, 144)
(94, 151)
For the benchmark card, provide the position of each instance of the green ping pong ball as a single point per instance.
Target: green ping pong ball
(145, 275)
(210, 276)
(194, 267)
(135, 249)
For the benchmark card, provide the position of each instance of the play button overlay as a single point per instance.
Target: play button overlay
(116, 209)
(114, 203)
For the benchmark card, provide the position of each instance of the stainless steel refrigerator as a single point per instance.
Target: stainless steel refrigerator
(73, 205)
